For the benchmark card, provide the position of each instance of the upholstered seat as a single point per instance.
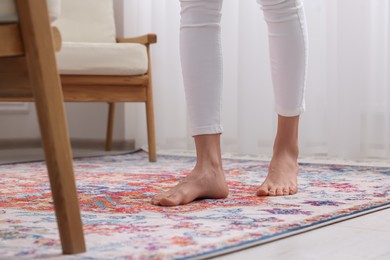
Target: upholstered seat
(8, 12)
(81, 58)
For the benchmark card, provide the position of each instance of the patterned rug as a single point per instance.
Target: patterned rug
(120, 223)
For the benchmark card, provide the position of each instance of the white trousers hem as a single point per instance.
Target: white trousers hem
(207, 130)
(290, 112)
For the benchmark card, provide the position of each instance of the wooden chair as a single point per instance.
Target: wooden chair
(96, 66)
(28, 72)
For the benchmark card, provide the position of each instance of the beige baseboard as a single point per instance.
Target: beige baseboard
(77, 143)
(97, 144)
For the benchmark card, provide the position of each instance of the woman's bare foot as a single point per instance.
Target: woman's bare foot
(207, 179)
(283, 169)
(282, 176)
(199, 184)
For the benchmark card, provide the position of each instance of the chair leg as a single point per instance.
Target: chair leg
(151, 132)
(46, 87)
(150, 113)
(110, 126)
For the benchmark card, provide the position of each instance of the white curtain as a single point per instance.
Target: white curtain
(348, 91)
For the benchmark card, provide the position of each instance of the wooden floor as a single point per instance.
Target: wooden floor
(366, 237)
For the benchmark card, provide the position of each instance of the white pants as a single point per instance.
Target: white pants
(201, 58)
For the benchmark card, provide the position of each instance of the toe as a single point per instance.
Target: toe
(170, 201)
(293, 190)
(167, 202)
(262, 191)
(286, 191)
(272, 192)
(173, 199)
(156, 200)
(279, 191)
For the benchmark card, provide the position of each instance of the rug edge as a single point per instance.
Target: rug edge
(282, 235)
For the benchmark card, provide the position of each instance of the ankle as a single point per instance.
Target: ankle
(208, 152)
(286, 140)
(286, 149)
(206, 165)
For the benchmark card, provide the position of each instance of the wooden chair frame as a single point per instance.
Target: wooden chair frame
(92, 88)
(28, 72)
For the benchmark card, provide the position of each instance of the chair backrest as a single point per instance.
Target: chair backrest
(8, 10)
(87, 21)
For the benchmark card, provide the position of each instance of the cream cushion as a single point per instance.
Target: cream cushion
(89, 42)
(87, 21)
(76, 58)
(9, 14)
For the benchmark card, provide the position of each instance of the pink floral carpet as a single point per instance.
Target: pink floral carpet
(120, 222)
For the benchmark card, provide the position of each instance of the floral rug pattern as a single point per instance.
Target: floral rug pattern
(120, 223)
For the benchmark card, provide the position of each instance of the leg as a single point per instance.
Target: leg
(110, 126)
(288, 51)
(150, 115)
(200, 49)
(151, 133)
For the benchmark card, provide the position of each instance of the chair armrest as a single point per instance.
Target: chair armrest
(12, 45)
(57, 39)
(144, 39)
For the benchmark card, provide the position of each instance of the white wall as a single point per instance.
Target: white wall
(18, 121)
(85, 121)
